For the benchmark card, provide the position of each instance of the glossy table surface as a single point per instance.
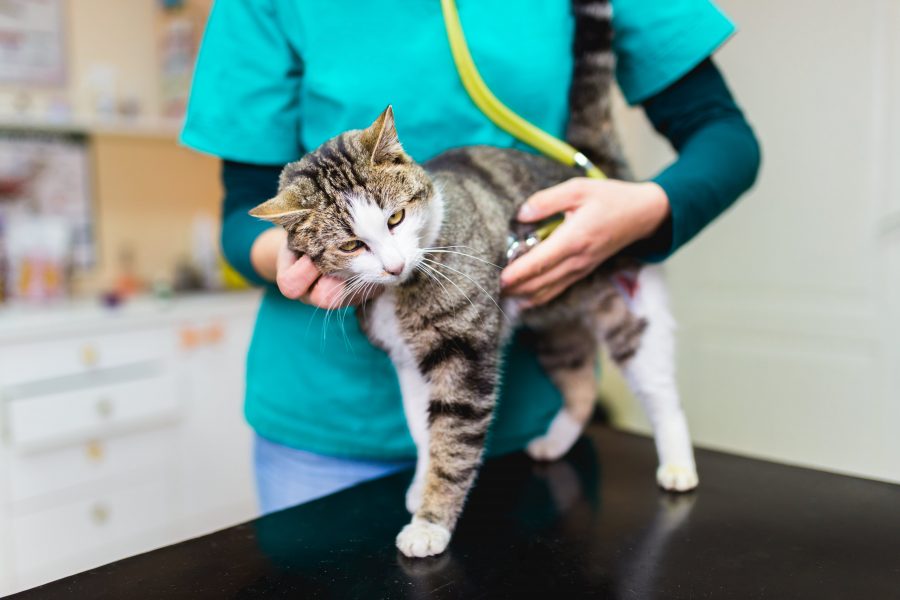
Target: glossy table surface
(590, 526)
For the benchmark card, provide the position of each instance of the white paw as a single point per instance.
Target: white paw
(423, 538)
(560, 437)
(414, 496)
(547, 448)
(677, 478)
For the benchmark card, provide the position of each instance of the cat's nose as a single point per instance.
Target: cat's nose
(395, 269)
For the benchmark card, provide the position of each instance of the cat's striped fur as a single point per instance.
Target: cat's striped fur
(435, 236)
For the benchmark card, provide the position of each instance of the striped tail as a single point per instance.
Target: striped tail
(590, 127)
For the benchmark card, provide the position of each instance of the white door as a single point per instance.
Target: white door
(788, 306)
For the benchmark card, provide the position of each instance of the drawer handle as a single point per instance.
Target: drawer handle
(89, 356)
(215, 333)
(105, 407)
(190, 338)
(94, 451)
(100, 513)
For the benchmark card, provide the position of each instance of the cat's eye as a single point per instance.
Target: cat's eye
(396, 218)
(351, 246)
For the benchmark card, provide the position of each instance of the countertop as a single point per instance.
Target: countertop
(593, 525)
(58, 319)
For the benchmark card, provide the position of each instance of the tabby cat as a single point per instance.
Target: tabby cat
(434, 237)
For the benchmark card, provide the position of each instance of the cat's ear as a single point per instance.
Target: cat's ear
(381, 141)
(283, 206)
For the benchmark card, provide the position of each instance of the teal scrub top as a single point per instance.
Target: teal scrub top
(276, 78)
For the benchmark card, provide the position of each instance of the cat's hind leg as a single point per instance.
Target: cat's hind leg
(647, 359)
(568, 354)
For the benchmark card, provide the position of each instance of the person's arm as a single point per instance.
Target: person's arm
(244, 107)
(718, 156)
(718, 160)
(245, 186)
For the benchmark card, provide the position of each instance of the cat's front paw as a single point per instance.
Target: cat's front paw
(414, 496)
(677, 478)
(422, 538)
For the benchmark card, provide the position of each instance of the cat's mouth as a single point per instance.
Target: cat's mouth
(390, 279)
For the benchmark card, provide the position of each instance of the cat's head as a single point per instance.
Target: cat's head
(358, 205)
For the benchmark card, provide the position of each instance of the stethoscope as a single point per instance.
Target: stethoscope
(512, 123)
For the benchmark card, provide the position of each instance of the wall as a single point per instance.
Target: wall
(120, 37)
(106, 34)
(148, 191)
(113, 35)
(789, 305)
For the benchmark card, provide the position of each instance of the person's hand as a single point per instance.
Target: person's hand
(299, 279)
(602, 217)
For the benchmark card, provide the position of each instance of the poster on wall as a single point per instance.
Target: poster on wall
(31, 42)
(46, 214)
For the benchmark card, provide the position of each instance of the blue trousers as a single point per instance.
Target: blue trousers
(286, 476)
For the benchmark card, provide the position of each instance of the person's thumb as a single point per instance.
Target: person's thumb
(559, 198)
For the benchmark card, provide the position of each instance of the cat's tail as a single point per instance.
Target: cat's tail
(590, 127)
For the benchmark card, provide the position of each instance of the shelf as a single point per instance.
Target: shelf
(142, 127)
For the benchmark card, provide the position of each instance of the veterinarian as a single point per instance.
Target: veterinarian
(277, 77)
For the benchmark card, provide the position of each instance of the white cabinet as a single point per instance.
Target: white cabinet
(215, 485)
(47, 420)
(121, 431)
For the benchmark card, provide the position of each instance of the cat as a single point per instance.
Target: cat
(434, 238)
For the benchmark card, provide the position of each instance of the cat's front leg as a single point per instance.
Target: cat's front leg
(381, 325)
(462, 378)
(414, 388)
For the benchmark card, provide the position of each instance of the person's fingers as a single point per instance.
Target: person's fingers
(295, 278)
(327, 293)
(285, 257)
(534, 285)
(558, 198)
(552, 291)
(542, 258)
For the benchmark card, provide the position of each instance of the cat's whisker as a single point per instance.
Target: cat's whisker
(423, 267)
(346, 292)
(429, 248)
(464, 295)
(360, 288)
(478, 285)
(357, 286)
(334, 303)
(487, 262)
(448, 247)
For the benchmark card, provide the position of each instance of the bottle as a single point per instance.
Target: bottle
(4, 270)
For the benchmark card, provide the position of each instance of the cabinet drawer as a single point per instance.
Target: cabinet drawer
(53, 419)
(85, 533)
(36, 361)
(35, 474)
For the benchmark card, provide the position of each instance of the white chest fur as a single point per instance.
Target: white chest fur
(414, 387)
(384, 328)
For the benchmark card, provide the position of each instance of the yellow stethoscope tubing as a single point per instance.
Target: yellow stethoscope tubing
(498, 112)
